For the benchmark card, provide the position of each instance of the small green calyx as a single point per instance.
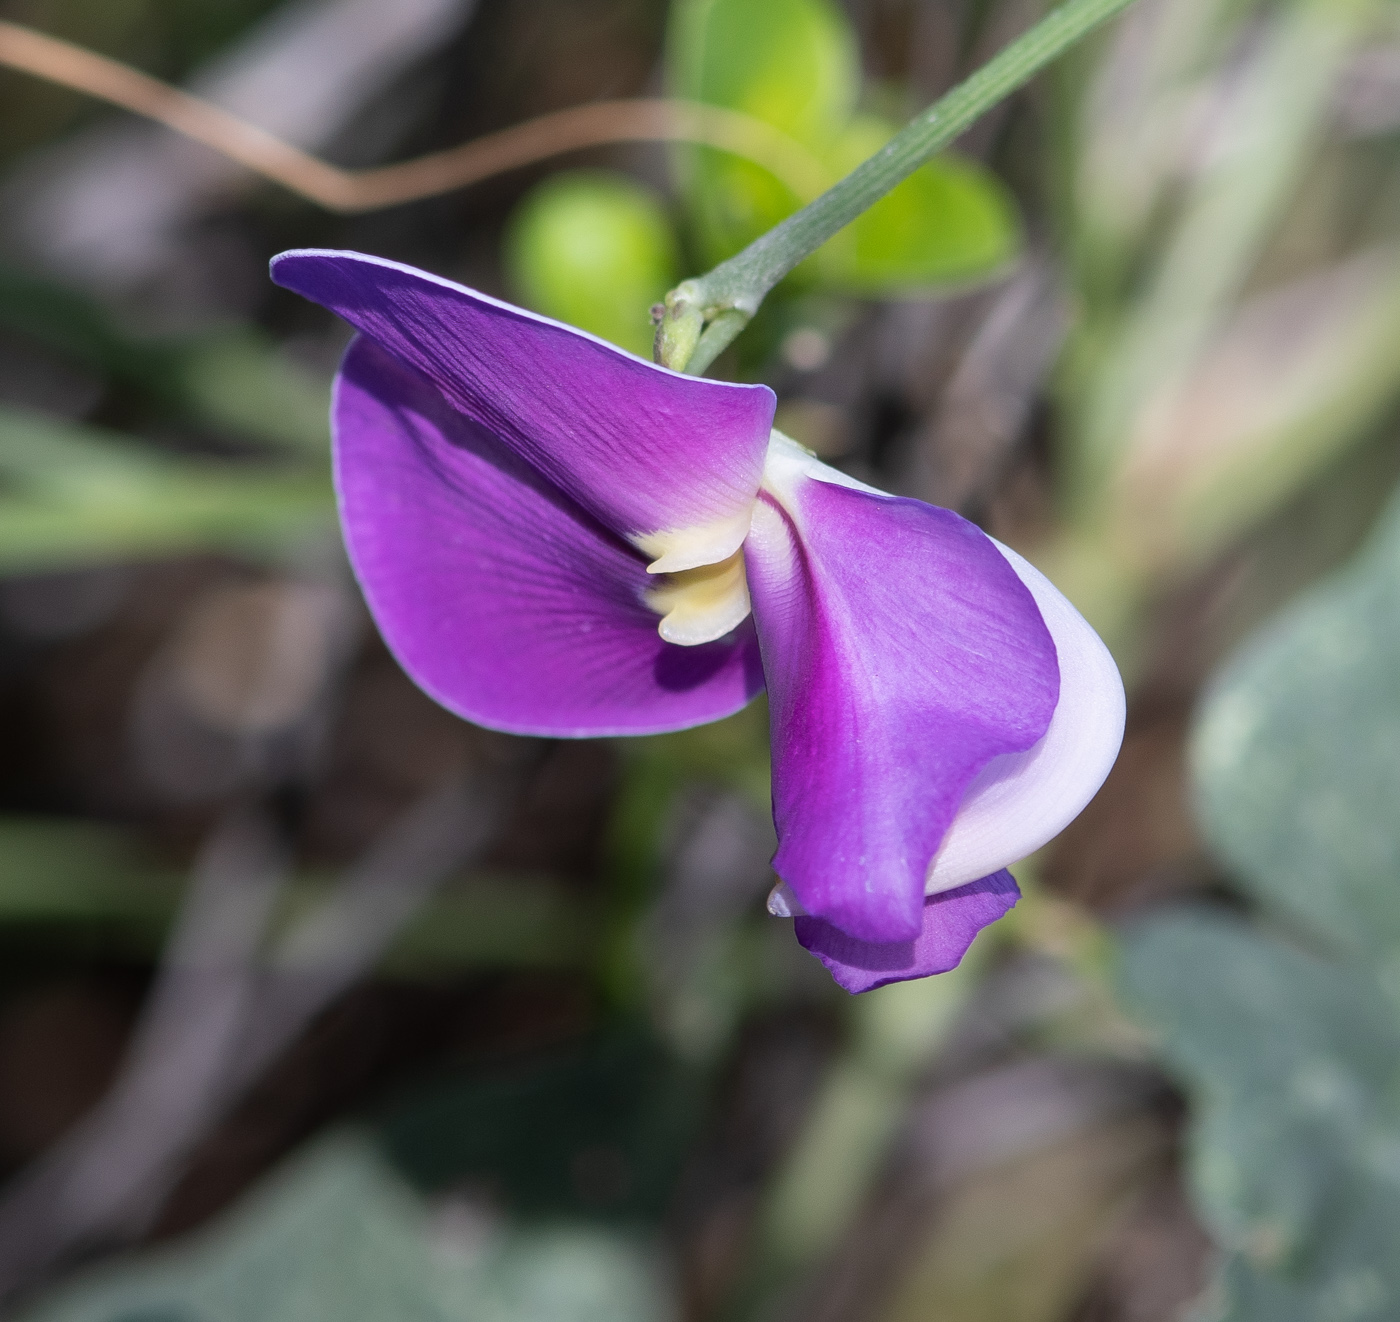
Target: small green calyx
(679, 321)
(691, 330)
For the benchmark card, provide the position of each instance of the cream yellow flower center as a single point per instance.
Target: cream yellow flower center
(690, 548)
(701, 593)
(701, 604)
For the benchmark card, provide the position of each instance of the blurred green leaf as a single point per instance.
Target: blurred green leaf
(80, 328)
(336, 1235)
(238, 381)
(896, 1032)
(595, 250)
(1292, 1060)
(1281, 92)
(72, 495)
(1295, 376)
(482, 921)
(1132, 130)
(1294, 1068)
(598, 1129)
(1296, 757)
(1023, 1238)
(733, 753)
(233, 380)
(794, 65)
(790, 63)
(61, 872)
(952, 220)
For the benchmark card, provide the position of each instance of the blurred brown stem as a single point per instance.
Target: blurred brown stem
(169, 1082)
(219, 1015)
(595, 125)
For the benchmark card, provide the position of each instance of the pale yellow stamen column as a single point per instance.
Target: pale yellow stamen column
(692, 548)
(702, 592)
(701, 604)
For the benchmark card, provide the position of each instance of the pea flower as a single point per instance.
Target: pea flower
(558, 538)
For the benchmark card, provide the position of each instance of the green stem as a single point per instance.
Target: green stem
(730, 294)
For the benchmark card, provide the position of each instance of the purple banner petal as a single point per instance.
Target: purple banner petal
(950, 921)
(646, 450)
(902, 654)
(501, 597)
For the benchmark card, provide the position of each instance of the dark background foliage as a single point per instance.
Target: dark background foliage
(317, 1001)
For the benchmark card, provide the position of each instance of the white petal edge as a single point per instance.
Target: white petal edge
(782, 903)
(1020, 801)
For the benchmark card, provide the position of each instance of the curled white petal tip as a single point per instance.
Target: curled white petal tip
(1020, 801)
(782, 903)
(679, 549)
(702, 604)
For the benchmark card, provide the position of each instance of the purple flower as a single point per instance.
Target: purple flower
(558, 538)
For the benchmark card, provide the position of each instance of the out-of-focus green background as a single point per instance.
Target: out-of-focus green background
(316, 1002)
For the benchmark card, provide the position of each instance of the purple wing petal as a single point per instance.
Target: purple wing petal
(1021, 800)
(503, 599)
(648, 451)
(902, 654)
(951, 919)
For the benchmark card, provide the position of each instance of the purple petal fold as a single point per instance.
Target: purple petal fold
(950, 921)
(1021, 800)
(902, 653)
(501, 597)
(646, 450)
